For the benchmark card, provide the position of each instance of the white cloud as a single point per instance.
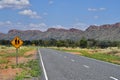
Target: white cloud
(39, 26)
(30, 26)
(8, 22)
(8, 25)
(51, 2)
(96, 17)
(102, 9)
(58, 26)
(16, 4)
(81, 26)
(5, 23)
(30, 13)
(92, 9)
(96, 9)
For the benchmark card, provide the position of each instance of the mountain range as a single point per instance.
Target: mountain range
(103, 32)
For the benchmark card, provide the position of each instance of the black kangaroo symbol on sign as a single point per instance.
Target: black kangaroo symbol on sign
(17, 41)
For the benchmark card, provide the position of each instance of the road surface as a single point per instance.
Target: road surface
(59, 65)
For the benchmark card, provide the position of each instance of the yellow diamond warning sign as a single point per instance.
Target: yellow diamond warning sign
(16, 42)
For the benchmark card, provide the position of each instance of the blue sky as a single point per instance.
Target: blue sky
(43, 14)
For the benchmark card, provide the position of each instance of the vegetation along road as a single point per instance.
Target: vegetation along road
(28, 64)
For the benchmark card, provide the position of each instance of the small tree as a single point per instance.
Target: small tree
(103, 44)
(83, 43)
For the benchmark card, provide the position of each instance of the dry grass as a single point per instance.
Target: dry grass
(8, 68)
(109, 54)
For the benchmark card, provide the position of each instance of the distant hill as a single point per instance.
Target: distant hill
(103, 32)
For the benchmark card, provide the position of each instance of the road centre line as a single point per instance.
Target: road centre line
(86, 66)
(44, 70)
(113, 78)
(72, 60)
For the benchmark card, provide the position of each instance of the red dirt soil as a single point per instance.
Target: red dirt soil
(9, 73)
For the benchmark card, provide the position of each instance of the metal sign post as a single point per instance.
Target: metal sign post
(16, 56)
(17, 42)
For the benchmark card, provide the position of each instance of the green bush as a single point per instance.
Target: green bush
(2, 61)
(20, 76)
(31, 69)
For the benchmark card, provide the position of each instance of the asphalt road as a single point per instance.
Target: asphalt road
(64, 66)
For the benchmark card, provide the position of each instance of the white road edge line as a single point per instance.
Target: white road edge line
(86, 66)
(113, 78)
(44, 70)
